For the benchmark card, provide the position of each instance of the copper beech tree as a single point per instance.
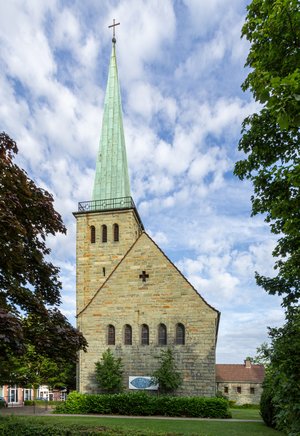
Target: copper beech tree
(29, 282)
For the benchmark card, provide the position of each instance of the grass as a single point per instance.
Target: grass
(167, 427)
(240, 413)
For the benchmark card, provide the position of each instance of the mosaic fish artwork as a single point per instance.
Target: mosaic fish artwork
(141, 382)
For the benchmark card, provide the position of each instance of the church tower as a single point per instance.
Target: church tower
(130, 297)
(107, 225)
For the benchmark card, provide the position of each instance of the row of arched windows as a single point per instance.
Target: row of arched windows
(115, 231)
(162, 337)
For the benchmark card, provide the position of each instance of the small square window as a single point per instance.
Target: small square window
(226, 390)
(252, 391)
(239, 390)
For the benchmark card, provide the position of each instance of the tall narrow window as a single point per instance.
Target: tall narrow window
(111, 336)
(162, 334)
(128, 335)
(93, 234)
(104, 233)
(116, 232)
(180, 334)
(145, 335)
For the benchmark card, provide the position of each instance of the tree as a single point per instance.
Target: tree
(33, 369)
(109, 373)
(167, 376)
(271, 138)
(281, 385)
(285, 366)
(263, 353)
(29, 283)
(271, 141)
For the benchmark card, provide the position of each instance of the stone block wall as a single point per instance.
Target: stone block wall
(241, 392)
(96, 261)
(165, 297)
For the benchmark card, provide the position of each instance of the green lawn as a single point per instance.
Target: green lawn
(167, 427)
(245, 413)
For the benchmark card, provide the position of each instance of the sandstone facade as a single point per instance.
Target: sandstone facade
(241, 392)
(118, 296)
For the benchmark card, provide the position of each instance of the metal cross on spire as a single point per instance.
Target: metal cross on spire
(114, 33)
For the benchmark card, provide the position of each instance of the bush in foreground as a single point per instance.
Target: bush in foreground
(11, 426)
(143, 404)
(267, 408)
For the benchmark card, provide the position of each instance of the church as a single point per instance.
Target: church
(131, 298)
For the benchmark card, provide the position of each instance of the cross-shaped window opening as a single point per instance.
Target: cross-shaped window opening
(144, 276)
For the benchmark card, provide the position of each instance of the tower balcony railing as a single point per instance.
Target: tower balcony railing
(107, 204)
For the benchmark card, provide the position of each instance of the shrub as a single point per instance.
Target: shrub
(28, 403)
(138, 403)
(75, 403)
(267, 407)
(109, 373)
(167, 376)
(11, 426)
(247, 406)
(141, 404)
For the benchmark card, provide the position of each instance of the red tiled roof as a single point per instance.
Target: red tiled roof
(239, 373)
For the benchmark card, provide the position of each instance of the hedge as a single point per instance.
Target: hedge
(12, 426)
(42, 402)
(143, 404)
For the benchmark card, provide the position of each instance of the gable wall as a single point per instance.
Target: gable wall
(167, 298)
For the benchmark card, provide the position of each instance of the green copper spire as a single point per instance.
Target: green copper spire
(111, 179)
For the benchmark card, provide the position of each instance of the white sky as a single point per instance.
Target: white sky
(181, 64)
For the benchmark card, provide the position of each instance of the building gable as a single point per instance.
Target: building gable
(161, 282)
(146, 304)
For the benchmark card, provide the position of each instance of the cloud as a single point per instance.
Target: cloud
(180, 68)
(144, 29)
(241, 333)
(160, 238)
(147, 101)
(205, 16)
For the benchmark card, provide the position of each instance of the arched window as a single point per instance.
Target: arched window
(93, 234)
(128, 335)
(111, 335)
(162, 334)
(145, 335)
(180, 334)
(116, 232)
(104, 233)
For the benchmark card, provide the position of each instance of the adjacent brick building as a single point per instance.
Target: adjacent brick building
(130, 297)
(240, 383)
